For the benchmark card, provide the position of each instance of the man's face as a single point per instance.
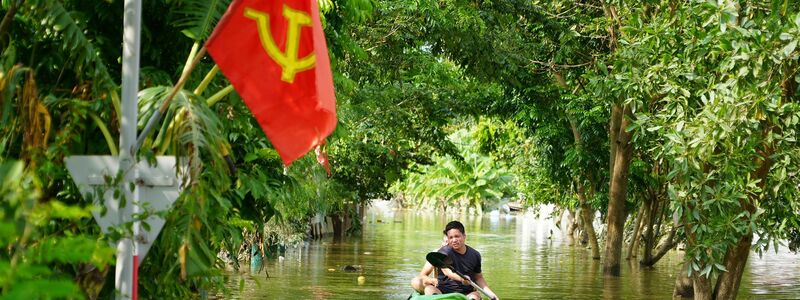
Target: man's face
(455, 239)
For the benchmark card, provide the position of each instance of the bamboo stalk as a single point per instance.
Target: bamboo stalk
(203, 84)
(219, 95)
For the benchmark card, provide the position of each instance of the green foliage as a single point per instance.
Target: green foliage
(718, 75)
(470, 179)
(513, 148)
(199, 17)
(53, 19)
(394, 97)
(712, 87)
(32, 266)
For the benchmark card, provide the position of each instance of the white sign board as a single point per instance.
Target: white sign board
(158, 187)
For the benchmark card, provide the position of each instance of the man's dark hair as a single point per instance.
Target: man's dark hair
(454, 225)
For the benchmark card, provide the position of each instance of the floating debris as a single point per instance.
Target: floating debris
(352, 268)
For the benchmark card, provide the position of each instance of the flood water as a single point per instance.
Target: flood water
(524, 257)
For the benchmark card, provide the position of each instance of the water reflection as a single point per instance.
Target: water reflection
(524, 257)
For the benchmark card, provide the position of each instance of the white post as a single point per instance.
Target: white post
(125, 284)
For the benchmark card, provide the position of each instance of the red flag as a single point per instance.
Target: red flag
(274, 53)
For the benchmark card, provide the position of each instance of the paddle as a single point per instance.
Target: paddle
(441, 260)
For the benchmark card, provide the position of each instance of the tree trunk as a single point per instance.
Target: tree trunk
(735, 261)
(656, 215)
(338, 225)
(588, 226)
(557, 222)
(633, 248)
(684, 286)
(571, 226)
(613, 130)
(668, 244)
(617, 195)
(649, 236)
(702, 287)
(736, 257)
(586, 211)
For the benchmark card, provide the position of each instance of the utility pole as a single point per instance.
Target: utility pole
(126, 250)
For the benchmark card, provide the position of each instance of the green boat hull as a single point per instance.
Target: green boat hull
(451, 296)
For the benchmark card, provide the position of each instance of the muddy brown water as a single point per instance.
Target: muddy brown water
(524, 257)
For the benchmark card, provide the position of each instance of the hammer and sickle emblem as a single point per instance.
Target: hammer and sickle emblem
(288, 60)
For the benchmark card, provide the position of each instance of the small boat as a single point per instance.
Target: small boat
(450, 296)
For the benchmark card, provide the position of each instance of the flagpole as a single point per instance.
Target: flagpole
(125, 273)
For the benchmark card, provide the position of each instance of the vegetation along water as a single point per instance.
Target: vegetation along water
(663, 133)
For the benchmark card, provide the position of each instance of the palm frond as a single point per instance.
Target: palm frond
(193, 129)
(198, 133)
(201, 208)
(200, 16)
(57, 21)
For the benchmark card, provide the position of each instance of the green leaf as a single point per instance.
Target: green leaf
(8, 233)
(654, 128)
(720, 267)
(43, 289)
(10, 174)
(199, 17)
(706, 271)
(145, 225)
(61, 211)
(54, 15)
(788, 49)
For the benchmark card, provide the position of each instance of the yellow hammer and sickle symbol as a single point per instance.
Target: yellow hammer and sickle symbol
(288, 60)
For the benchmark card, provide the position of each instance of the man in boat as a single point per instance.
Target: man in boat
(424, 283)
(466, 260)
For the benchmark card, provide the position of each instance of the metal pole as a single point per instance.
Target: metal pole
(126, 249)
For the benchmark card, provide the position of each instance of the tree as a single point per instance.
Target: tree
(474, 179)
(725, 78)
